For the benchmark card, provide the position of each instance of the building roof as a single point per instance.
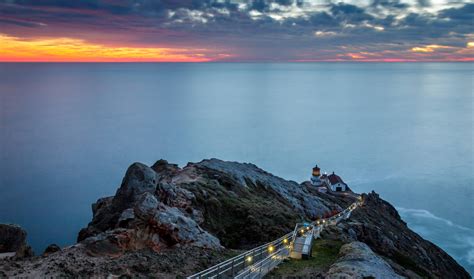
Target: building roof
(334, 179)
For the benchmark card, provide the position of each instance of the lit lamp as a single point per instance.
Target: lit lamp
(270, 248)
(248, 259)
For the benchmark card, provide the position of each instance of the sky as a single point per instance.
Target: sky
(237, 31)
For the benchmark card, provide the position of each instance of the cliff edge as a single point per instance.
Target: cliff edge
(165, 222)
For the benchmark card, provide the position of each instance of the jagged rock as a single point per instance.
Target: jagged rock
(138, 179)
(181, 229)
(101, 204)
(147, 205)
(378, 224)
(126, 216)
(357, 260)
(145, 213)
(13, 240)
(166, 210)
(175, 196)
(52, 248)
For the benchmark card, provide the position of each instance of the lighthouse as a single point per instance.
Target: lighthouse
(315, 180)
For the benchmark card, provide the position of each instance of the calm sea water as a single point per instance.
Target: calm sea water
(69, 131)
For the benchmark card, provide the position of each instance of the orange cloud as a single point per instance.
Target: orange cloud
(13, 49)
(429, 48)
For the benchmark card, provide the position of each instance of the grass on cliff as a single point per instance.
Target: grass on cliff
(242, 217)
(324, 254)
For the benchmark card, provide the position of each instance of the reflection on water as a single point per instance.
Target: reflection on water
(69, 131)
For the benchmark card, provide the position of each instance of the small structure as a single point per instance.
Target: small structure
(322, 189)
(324, 178)
(336, 183)
(302, 242)
(315, 181)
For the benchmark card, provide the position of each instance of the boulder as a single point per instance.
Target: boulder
(138, 179)
(13, 240)
(177, 228)
(52, 248)
(146, 205)
(357, 260)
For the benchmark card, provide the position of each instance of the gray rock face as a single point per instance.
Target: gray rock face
(250, 175)
(357, 260)
(163, 218)
(186, 229)
(146, 205)
(13, 239)
(379, 225)
(145, 213)
(127, 215)
(138, 179)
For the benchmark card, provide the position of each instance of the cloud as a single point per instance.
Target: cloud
(430, 48)
(257, 29)
(325, 33)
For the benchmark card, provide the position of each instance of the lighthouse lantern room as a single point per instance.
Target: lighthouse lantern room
(316, 171)
(315, 177)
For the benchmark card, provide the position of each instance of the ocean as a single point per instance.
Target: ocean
(69, 131)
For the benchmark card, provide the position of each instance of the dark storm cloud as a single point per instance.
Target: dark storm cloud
(466, 13)
(348, 12)
(248, 28)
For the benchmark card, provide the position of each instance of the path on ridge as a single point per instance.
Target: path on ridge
(259, 261)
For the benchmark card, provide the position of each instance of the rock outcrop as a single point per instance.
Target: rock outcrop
(142, 215)
(166, 221)
(13, 242)
(356, 260)
(378, 224)
(52, 248)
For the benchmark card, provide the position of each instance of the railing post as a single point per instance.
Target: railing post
(233, 268)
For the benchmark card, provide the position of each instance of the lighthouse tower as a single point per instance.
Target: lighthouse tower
(315, 180)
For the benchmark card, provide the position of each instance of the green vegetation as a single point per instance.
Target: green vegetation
(241, 217)
(324, 254)
(408, 263)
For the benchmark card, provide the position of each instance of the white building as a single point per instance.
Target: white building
(336, 183)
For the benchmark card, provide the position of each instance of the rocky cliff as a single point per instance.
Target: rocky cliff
(165, 221)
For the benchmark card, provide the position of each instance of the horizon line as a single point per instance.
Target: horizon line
(244, 61)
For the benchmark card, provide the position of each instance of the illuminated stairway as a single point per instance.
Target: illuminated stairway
(259, 261)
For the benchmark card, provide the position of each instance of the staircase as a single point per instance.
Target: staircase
(259, 261)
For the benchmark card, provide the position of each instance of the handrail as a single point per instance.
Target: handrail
(243, 264)
(238, 260)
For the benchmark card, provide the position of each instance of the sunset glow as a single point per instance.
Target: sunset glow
(233, 31)
(429, 48)
(68, 49)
